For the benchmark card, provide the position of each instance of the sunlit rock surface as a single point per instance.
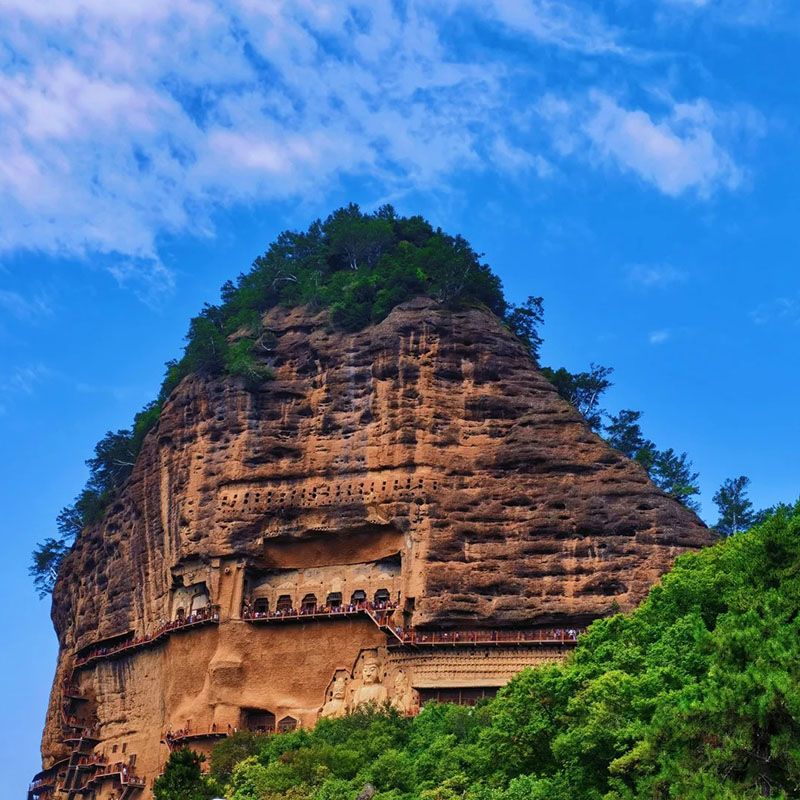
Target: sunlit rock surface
(423, 459)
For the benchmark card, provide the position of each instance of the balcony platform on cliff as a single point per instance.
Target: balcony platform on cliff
(538, 637)
(81, 736)
(129, 784)
(44, 782)
(180, 738)
(292, 615)
(93, 654)
(71, 691)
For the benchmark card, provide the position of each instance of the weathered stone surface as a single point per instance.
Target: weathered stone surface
(424, 455)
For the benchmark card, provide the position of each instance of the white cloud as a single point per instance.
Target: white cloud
(29, 309)
(560, 23)
(781, 309)
(659, 337)
(122, 122)
(24, 380)
(677, 152)
(655, 276)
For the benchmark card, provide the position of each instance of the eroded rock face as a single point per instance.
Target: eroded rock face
(424, 457)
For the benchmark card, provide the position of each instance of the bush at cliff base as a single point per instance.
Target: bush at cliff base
(183, 778)
(695, 695)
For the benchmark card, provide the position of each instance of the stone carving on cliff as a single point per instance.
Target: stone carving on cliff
(336, 705)
(402, 693)
(370, 690)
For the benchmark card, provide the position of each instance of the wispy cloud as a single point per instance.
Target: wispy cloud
(124, 123)
(781, 309)
(569, 25)
(659, 337)
(655, 276)
(25, 380)
(28, 309)
(678, 150)
(740, 12)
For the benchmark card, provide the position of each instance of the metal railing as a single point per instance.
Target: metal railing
(315, 612)
(193, 620)
(566, 636)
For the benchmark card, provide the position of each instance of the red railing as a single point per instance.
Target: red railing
(91, 761)
(317, 611)
(83, 733)
(120, 771)
(193, 620)
(72, 691)
(381, 614)
(490, 637)
(184, 734)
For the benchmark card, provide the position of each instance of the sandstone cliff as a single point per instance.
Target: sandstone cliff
(425, 453)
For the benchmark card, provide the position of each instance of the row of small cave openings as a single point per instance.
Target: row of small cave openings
(310, 602)
(324, 490)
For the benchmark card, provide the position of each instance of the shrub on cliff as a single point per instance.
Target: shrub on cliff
(694, 695)
(360, 266)
(183, 778)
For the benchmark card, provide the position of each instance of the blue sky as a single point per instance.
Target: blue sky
(633, 161)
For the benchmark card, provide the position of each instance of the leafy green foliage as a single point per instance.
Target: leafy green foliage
(45, 563)
(735, 509)
(694, 695)
(183, 779)
(360, 266)
(583, 390)
(623, 433)
(525, 322)
(229, 752)
(673, 474)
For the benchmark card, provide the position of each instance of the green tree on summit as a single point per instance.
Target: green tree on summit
(735, 509)
(673, 474)
(45, 563)
(526, 321)
(583, 390)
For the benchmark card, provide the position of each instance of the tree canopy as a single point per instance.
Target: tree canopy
(696, 694)
(183, 778)
(736, 511)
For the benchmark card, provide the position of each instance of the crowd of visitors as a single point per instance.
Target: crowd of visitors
(203, 615)
(249, 612)
(382, 613)
(172, 737)
(485, 636)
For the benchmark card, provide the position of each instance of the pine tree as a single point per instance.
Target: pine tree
(735, 509)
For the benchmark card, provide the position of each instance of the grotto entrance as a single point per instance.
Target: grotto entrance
(258, 720)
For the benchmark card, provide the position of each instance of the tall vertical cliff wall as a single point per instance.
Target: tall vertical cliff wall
(422, 464)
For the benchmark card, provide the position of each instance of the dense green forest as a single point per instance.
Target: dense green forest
(694, 695)
(358, 266)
